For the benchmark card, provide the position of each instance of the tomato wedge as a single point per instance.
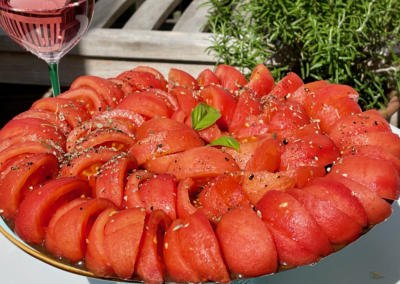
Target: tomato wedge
(123, 86)
(149, 265)
(140, 81)
(132, 198)
(155, 126)
(289, 84)
(155, 72)
(230, 78)
(302, 94)
(304, 174)
(108, 138)
(184, 208)
(267, 157)
(40, 204)
(107, 89)
(187, 99)
(88, 97)
(131, 118)
(261, 81)
(23, 177)
(207, 77)
(178, 77)
(160, 165)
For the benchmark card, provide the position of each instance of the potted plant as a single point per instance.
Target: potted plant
(343, 42)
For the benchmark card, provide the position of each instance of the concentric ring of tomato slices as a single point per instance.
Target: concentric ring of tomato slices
(22, 178)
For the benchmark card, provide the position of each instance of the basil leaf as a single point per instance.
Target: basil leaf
(227, 142)
(204, 116)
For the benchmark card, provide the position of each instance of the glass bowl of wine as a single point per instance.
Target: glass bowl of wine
(46, 28)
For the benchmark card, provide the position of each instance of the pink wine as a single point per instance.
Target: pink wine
(50, 32)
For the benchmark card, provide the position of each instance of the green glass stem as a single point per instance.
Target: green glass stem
(53, 69)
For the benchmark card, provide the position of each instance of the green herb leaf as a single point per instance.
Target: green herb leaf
(227, 142)
(204, 116)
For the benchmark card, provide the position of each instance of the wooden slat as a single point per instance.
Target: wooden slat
(151, 14)
(28, 69)
(143, 45)
(194, 18)
(107, 11)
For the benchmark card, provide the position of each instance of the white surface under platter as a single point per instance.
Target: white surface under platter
(376, 252)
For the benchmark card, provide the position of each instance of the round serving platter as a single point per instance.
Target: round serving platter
(374, 256)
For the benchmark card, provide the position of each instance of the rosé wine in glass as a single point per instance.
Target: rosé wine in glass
(46, 28)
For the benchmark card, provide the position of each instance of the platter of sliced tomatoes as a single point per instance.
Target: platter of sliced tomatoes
(209, 179)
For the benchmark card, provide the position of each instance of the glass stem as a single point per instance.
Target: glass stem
(53, 69)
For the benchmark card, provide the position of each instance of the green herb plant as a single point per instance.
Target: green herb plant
(347, 42)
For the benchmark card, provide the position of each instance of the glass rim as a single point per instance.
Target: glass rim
(78, 2)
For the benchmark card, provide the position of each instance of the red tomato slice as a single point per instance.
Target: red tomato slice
(107, 89)
(155, 126)
(34, 127)
(132, 119)
(95, 258)
(184, 208)
(140, 81)
(176, 265)
(164, 143)
(230, 78)
(256, 184)
(50, 239)
(261, 81)
(253, 127)
(179, 115)
(65, 109)
(213, 204)
(200, 248)
(40, 204)
(288, 85)
(304, 174)
(377, 175)
(222, 101)
(247, 151)
(208, 134)
(202, 163)
(125, 87)
(377, 209)
(311, 150)
(122, 235)
(187, 99)
(9, 165)
(160, 165)
(88, 97)
(169, 99)
(108, 138)
(132, 198)
(248, 255)
(291, 135)
(178, 77)
(111, 181)
(267, 157)
(86, 165)
(46, 115)
(302, 94)
(149, 266)
(289, 218)
(247, 104)
(23, 177)
(147, 104)
(155, 72)
(72, 229)
(207, 78)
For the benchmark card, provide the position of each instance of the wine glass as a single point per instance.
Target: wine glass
(47, 28)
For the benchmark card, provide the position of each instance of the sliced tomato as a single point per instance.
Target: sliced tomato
(149, 266)
(179, 115)
(208, 134)
(46, 115)
(132, 119)
(111, 181)
(247, 151)
(248, 255)
(164, 143)
(187, 99)
(222, 101)
(107, 89)
(177, 77)
(247, 104)
(207, 77)
(9, 165)
(34, 127)
(304, 174)
(160, 165)
(288, 85)
(65, 109)
(87, 165)
(213, 204)
(108, 138)
(50, 239)
(41, 203)
(186, 188)
(122, 235)
(256, 184)
(23, 177)
(132, 198)
(93, 101)
(261, 81)
(155, 126)
(291, 135)
(340, 228)
(140, 81)
(230, 78)
(200, 248)
(123, 86)
(287, 217)
(267, 157)
(253, 127)
(176, 265)
(201, 164)
(169, 99)
(147, 104)
(302, 94)
(95, 258)
(155, 72)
